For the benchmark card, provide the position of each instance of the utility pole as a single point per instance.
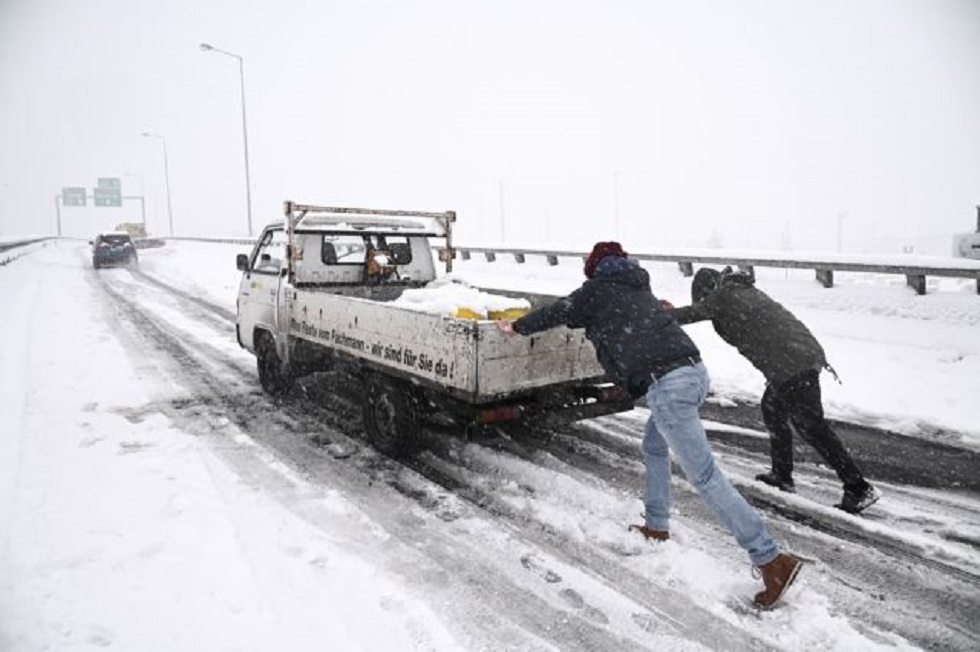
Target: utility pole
(207, 47)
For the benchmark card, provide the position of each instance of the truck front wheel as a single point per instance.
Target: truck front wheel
(273, 374)
(391, 416)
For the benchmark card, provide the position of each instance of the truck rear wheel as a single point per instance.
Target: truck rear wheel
(273, 374)
(391, 416)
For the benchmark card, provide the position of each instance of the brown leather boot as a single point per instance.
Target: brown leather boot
(654, 535)
(777, 575)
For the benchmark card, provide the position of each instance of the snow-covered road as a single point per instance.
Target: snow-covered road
(152, 498)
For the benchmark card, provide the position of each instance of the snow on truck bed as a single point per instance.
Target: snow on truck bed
(457, 298)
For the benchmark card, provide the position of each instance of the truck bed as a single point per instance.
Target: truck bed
(470, 360)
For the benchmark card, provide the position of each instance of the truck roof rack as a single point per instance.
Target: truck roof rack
(311, 217)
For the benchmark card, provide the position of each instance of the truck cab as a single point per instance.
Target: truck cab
(318, 295)
(263, 271)
(372, 254)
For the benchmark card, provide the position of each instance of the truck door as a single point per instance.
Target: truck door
(258, 292)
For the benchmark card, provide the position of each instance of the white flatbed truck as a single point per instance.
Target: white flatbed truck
(316, 295)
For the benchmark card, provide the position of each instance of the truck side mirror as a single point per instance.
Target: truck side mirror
(241, 261)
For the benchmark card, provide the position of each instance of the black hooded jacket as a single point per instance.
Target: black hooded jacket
(631, 333)
(767, 334)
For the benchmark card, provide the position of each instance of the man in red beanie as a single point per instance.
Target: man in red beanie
(642, 348)
(600, 251)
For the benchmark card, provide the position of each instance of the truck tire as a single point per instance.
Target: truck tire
(273, 374)
(391, 416)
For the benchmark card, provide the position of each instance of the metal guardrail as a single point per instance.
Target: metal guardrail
(13, 244)
(249, 242)
(915, 274)
(9, 251)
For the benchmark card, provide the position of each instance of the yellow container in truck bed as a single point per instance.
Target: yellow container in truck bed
(509, 313)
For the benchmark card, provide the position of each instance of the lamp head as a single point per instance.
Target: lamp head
(206, 47)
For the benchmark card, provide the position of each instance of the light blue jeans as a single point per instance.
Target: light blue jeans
(675, 425)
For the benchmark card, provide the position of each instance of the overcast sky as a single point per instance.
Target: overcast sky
(658, 123)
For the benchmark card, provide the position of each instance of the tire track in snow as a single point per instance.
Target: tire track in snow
(527, 610)
(615, 447)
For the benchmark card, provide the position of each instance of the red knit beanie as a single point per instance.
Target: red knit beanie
(600, 251)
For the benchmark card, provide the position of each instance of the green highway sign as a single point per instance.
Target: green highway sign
(73, 196)
(106, 196)
(108, 192)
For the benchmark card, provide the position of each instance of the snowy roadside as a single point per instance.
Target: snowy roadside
(130, 533)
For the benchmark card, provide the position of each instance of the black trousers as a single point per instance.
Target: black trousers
(796, 404)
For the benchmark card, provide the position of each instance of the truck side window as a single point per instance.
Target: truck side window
(270, 256)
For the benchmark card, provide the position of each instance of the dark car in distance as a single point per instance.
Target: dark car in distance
(114, 249)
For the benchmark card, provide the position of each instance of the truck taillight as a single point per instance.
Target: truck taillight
(500, 414)
(612, 394)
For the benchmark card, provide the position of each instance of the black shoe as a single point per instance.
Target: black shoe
(773, 480)
(855, 502)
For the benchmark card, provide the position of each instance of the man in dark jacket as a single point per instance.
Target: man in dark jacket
(789, 356)
(643, 349)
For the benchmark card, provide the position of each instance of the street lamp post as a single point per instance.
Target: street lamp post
(206, 47)
(166, 176)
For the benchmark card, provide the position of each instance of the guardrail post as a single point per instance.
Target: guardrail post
(519, 257)
(465, 253)
(917, 282)
(491, 256)
(687, 269)
(552, 260)
(826, 277)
